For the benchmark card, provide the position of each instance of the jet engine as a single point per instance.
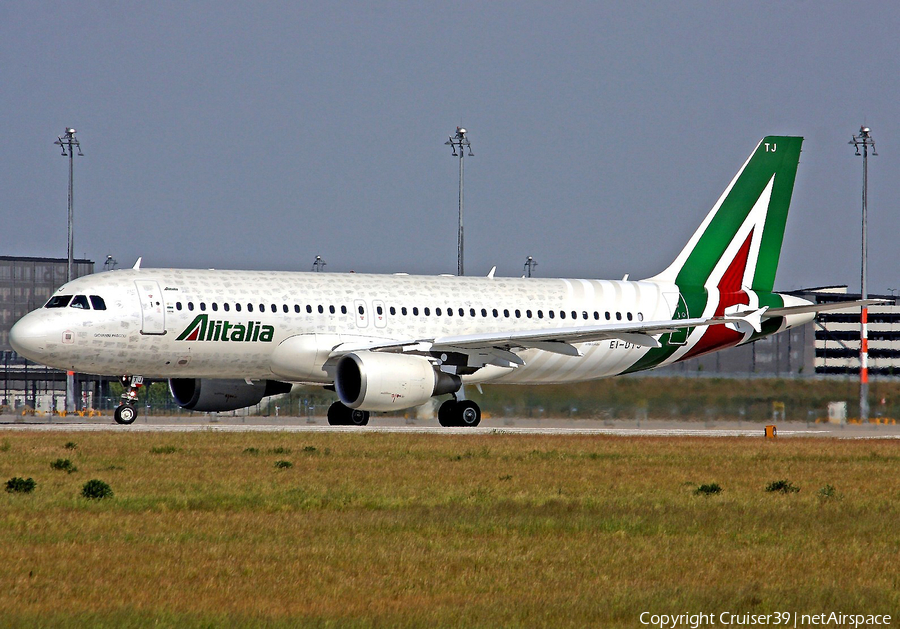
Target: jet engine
(375, 381)
(211, 395)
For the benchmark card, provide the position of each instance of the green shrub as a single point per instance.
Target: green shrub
(783, 486)
(64, 465)
(283, 465)
(5, 446)
(828, 492)
(163, 450)
(309, 448)
(20, 485)
(708, 490)
(253, 451)
(70, 445)
(96, 490)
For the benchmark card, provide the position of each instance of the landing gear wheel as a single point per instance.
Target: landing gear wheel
(447, 413)
(125, 414)
(338, 415)
(358, 417)
(467, 414)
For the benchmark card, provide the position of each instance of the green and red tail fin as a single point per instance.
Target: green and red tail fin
(745, 228)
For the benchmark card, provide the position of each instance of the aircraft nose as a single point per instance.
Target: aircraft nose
(29, 337)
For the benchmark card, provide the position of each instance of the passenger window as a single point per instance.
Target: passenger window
(640, 316)
(596, 316)
(562, 314)
(495, 313)
(618, 316)
(190, 305)
(177, 305)
(471, 312)
(506, 313)
(59, 301)
(215, 306)
(483, 312)
(202, 306)
(427, 311)
(237, 307)
(393, 311)
(308, 309)
(437, 311)
(321, 309)
(226, 307)
(551, 314)
(343, 309)
(284, 307)
(607, 316)
(518, 314)
(98, 303)
(262, 307)
(403, 310)
(584, 315)
(331, 309)
(80, 301)
(528, 313)
(297, 308)
(540, 314)
(249, 307)
(416, 310)
(574, 315)
(629, 316)
(274, 308)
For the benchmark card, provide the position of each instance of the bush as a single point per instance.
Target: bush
(309, 448)
(163, 450)
(64, 465)
(708, 490)
(828, 492)
(96, 490)
(283, 465)
(71, 445)
(783, 486)
(20, 485)
(253, 451)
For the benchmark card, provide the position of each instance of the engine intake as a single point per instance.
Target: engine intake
(373, 381)
(212, 395)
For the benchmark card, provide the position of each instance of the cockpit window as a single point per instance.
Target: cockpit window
(98, 303)
(59, 301)
(80, 301)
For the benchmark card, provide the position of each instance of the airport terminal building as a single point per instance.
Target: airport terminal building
(26, 284)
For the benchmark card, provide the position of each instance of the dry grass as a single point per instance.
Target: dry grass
(424, 530)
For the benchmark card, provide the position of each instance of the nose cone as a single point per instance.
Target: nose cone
(29, 336)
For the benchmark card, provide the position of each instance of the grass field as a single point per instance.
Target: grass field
(209, 529)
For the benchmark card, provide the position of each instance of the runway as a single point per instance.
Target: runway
(399, 425)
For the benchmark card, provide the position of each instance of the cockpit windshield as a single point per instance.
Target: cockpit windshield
(78, 301)
(58, 301)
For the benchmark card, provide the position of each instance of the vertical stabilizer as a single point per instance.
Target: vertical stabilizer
(742, 234)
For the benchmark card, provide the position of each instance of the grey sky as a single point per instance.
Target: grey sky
(220, 134)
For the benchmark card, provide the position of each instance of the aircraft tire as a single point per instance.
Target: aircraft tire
(338, 415)
(467, 414)
(447, 413)
(357, 417)
(125, 414)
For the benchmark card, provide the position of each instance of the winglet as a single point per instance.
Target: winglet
(493, 270)
(137, 265)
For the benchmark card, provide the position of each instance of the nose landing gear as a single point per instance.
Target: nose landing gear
(126, 412)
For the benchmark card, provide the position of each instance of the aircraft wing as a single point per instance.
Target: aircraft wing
(500, 348)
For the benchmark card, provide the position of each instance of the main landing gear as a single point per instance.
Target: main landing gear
(126, 412)
(340, 415)
(464, 413)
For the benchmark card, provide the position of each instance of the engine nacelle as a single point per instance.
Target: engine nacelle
(375, 381)
(211, 395)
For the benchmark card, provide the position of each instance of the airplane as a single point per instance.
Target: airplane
(224, 339)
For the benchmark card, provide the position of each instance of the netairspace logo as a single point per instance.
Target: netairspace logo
(784, 619)
(204, 329)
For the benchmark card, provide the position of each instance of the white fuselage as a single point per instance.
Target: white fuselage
(145, 326)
